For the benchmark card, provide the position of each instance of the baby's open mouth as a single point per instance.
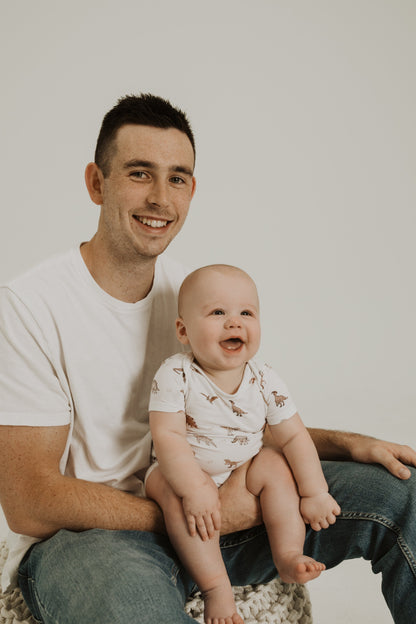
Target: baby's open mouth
(232, 344)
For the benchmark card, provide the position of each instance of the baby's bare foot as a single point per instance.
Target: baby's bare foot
(298, 568)
(219, 606)
(234, 619)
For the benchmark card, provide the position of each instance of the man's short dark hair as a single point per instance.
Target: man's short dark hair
(143, 110)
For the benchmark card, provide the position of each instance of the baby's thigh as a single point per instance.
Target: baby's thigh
(269, 467)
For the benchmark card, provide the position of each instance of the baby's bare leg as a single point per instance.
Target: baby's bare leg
(270, 478)
(202, 559)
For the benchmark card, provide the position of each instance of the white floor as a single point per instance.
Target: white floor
(349, 594)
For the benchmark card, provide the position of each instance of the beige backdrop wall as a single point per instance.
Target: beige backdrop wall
(305, 125)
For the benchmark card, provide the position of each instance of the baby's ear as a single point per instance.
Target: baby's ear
(181, 331)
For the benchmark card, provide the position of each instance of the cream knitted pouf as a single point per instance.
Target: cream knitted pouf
(273, 603)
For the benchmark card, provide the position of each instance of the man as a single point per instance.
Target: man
(80, 339)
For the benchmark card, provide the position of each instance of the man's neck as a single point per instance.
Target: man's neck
(123, 280)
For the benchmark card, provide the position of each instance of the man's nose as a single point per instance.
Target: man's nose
(158, 195)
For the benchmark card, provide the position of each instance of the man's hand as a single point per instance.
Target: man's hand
(341, 445)
(390, 455)
(202, 510)
(239, 508)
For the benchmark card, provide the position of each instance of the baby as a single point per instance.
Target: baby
(208, 412)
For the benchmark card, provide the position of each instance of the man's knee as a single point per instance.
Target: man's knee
(105, 576)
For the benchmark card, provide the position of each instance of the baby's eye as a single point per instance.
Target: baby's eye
(246, 313)
(218, 312)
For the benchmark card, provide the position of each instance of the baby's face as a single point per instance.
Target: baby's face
(220, 320)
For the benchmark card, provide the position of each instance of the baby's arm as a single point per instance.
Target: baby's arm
(317, 506)
(198, 492)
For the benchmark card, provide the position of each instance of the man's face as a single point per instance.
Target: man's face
(146, 196)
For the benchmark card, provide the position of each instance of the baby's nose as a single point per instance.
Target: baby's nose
(233, 321)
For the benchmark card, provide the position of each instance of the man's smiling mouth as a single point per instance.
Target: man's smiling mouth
(154, 223)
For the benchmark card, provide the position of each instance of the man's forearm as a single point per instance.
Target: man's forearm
(38, 501)
(335, 445)
(78, 505)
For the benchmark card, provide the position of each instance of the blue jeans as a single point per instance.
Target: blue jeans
(111, 577)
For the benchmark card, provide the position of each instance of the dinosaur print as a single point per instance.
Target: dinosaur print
(242, 440)
(279, 399)
(237, 410)
(180, 371)
(205, 439)
(191, 422)
(230, 430)
(155, 387)
(231, 464)
(211, 399)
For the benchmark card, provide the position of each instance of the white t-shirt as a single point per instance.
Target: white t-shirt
(224, 430)
(72, 354)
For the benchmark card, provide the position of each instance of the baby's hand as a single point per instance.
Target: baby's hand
(319, 511)
(202, 511)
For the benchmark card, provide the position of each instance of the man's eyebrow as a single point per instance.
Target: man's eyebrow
(135, 162)
(148, 164)
(185, 170)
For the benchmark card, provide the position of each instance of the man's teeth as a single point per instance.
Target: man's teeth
(154, 223)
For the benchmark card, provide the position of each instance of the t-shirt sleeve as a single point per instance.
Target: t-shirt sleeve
(280, 405)
(168, 387)
(31, 393)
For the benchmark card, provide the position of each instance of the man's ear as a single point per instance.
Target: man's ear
(94, 180)
(193, 186)
(181, 331)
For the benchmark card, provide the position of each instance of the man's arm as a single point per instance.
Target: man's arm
(241, 510)
(346, 446)
(341, 445)
(38, 501)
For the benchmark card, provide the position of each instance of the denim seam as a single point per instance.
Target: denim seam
(235, 539)
(34, 597)
(354, 515)
(174, 573)
(39, 603)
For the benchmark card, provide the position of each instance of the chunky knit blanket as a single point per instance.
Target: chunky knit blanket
(272, 603)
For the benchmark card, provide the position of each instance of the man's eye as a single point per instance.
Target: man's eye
(177, 180)
(138, 174)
